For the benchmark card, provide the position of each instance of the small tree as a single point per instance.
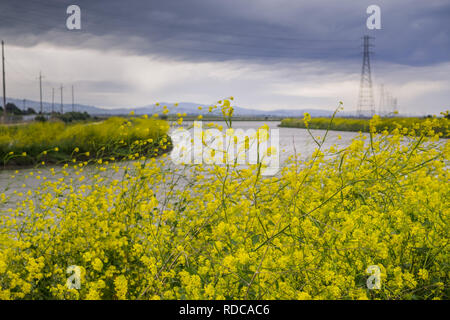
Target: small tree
(30, 111)
(11, 108)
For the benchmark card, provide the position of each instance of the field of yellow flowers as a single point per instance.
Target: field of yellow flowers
(417, 126)
(56, 142)
(143, 229)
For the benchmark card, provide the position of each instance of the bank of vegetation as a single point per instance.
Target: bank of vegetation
(59, 141)
(412, 125)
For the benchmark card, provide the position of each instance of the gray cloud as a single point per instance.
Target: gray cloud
(267, 53)
(414, 33)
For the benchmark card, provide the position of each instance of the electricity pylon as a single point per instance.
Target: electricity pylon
(365, 98)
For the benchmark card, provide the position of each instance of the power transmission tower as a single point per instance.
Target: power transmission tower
(391, 103)
(4, 84)
(24, 105)
(40, 90)
(381, 106)
(394, 106)
(73, 103)
(365, 98)
(62, 106)
(53, 100)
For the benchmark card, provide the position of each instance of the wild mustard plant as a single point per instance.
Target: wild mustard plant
(146, 229)
(415, 126)
(56, 142)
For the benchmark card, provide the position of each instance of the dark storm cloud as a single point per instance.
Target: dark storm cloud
(414, 33)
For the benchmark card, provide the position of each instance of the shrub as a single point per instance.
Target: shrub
(415, 126)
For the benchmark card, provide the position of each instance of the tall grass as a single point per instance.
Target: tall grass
(313, 231)
(440, 125)
(58, 142)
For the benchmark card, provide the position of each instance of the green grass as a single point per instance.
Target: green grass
(57, 142)
(415, 126)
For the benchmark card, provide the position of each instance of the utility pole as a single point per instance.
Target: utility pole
(24, 105)
(62, 106)
(53, 100)
(73, 101)
(40, 90)
(4, 84)
(381, 102)
(365, 99)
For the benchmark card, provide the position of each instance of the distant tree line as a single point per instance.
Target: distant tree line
(66, 117)
(11, 108)
(73, 116)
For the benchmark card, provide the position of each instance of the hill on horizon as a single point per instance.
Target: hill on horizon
(189, 108)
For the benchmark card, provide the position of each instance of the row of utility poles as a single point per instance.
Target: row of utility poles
(53, 98)
(62, 105)
(40, 91)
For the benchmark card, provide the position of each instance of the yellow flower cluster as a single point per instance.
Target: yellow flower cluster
(144, 229)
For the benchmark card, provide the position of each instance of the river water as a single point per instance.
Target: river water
(291, 141)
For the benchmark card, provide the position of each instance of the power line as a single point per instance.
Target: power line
(41, 21)
(17, 67)
(287, 55)
(296, 45)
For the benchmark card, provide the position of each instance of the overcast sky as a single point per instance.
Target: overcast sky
(268, 54)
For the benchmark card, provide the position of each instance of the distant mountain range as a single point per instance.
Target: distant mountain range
(183, 107)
